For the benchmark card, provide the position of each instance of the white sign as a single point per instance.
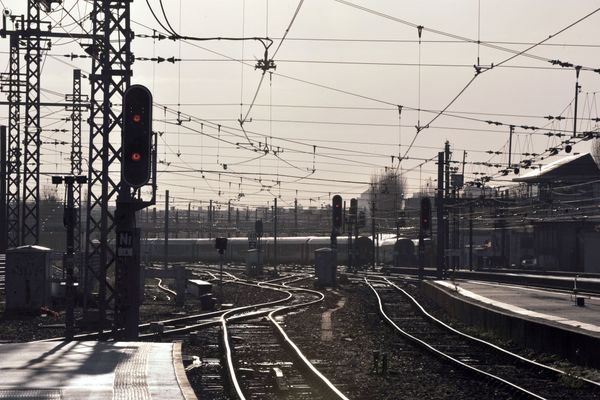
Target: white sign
(125, 244)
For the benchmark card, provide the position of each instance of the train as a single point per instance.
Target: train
(290, 250)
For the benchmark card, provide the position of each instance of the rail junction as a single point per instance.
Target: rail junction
(420, 304)
(278, 339)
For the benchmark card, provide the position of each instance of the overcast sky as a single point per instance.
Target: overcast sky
(329, 112)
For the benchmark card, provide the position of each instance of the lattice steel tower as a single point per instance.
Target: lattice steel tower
(110, 77)
(31, 142)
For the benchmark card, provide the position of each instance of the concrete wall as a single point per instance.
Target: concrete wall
(578, 348)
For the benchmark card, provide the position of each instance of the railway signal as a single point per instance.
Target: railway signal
(137, 136)
(353, 209)
(425, 217)
(258, 227)
(337, 212)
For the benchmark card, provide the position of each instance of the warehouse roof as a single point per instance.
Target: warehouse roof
(576, 168)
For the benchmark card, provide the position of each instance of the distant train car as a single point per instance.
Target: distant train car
(178, 249)
(290, 250)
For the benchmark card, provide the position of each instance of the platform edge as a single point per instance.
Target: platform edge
(184, 385)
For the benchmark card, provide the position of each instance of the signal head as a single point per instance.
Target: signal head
(137, 136)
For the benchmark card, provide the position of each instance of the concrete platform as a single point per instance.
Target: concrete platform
(93, 371)
(547, 321)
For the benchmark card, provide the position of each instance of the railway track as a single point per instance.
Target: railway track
(525, 378)
(263, 363)
(248, 347)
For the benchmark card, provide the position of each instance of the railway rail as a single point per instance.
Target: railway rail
(259, 364)
(524, 377)
(259, 360)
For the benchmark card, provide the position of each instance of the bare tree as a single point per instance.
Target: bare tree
(388, 190)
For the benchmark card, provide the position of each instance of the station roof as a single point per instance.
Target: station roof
(569, 169)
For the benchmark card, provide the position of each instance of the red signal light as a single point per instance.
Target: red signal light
(136, 156)
(136, 118)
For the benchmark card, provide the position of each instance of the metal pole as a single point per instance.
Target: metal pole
(109, 78)
(471, 236)
(69, 258)
(3, 212)
(295, 217)
(166, 229)
(275, 235)
(70, 221)
(354, 255)
(128, 271)
(447, 169)
(350, 248)
(421, 254)
(373, 229)
(229, 213)
(446, 196)
(210, 219)
(440, 217)
(510, 135)
(221, 275)
(577, 87)
(76, 159)
(14, 147)
(30, 204)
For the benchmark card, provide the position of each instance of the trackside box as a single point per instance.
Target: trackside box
(27, 279)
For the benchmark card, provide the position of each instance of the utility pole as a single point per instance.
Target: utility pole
(577, 88)
(352, 224)
(76, 98)
(3, 213)
(447, 154)
(24, 153)
(373, 228)
(70, 221)
(295, 217)
(110, 77)
(166, 242)
(13, 183)
(447, 169)
(510, 135)
(31, 144)
(439, 203)
(275, 234)
(229, 213)
(471, 236)
(210, 219)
